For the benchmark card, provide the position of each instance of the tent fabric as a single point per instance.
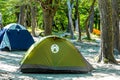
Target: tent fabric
(5, 42)
(14, 26)
(54, 54)
(2, 31)
(15, 37)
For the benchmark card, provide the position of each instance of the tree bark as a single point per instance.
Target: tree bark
(106, 50)
(0, 21)
(28, 16)
(17, 13)
(118, 1)
(86, 21)
(115, 19)
(77, 21)
(70, 22)
(91, 22)
(49, 11)
(33, 20)
(22, 15)
(48, 18)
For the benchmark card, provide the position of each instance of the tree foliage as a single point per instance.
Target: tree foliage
(8, 9)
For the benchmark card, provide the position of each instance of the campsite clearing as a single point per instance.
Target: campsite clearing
(9, 66)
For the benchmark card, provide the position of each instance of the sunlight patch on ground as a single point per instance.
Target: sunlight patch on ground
(7, 67)
(10, 54)
(26, 78)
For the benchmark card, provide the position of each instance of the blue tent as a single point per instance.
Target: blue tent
(15, 37)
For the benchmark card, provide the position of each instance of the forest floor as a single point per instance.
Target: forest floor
(10, 64)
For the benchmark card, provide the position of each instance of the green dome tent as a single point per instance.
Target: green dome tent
(54, 55)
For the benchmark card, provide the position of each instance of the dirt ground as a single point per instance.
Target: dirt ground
(10, 64)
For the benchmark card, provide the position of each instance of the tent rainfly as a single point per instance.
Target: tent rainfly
(53, 54)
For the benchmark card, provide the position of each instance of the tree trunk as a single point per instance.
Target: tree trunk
(22, 15)
(0, 21)
(77, 21)
(33, 20)
(28, 16)
(115, 17)
(49, 8)
(70, 22)
(48, 18)
(118, 6)
(91, 22)
(106, 50)
(86, 21)
(17, 13)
